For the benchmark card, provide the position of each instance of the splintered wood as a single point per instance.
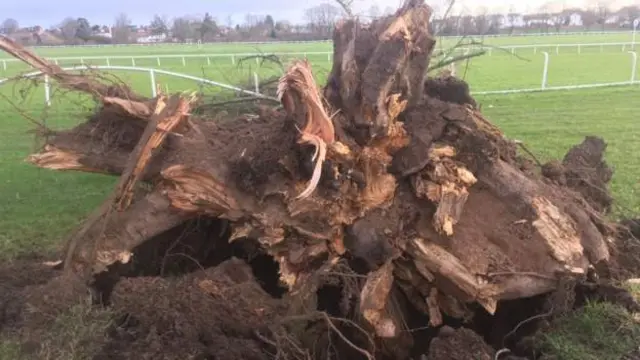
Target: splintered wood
(419, 194)
(446, 183)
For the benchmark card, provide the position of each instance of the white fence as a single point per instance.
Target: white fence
(256, 92)
(152, 77)
(545, 75)
(106, 59)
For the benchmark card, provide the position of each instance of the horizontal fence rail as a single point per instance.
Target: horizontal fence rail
(256, 93)
(233, 57)
(152, 77)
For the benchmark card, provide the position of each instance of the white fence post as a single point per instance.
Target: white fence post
(256, 82)
(328, 57)
(545, 70)
(557, 49)
(47, 91)
(208, 60)
(152, 77)
(233, 60)
(184, 62)
(82, 60)
(535, 49)
(4, 65)
(55, 61)
(158, 60)
(108, 62)
(133, 62)
(623, 47)
(257, 61)
(634, 65)
(513, 51)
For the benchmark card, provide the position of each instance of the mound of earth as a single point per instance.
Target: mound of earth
(382, 201)
(212, 314)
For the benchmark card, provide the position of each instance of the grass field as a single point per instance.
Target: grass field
(39, 207)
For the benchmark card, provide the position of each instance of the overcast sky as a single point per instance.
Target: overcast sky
(48, 13)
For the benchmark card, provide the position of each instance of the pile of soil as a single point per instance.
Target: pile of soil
(419, 211)
(209, 314)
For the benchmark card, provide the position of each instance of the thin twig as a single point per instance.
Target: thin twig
(344, 338)
(446, 61)
(525, 149)
(525, 321)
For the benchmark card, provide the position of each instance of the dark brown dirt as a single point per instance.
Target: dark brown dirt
(626, 250)
(14, 278)
(458, 345)
(209, 315)
(449, 89)
(587, 173)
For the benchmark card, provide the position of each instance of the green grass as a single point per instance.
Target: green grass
(598, 331)
(76, 333)
(9, 350)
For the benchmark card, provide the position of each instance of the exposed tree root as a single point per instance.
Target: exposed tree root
(422, 194)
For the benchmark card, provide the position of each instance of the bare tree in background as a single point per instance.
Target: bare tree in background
(68, 29)
(347, 6)
(183, 29)
(512, 17)
(122, 29)
(602, 13)
(322, 18)
(629, 13)
(9, 26)
(559, 20)
(588, 18)
(545, 18)
(482, 20)
(495, 23)
(388, 11)
(160, 25)
(374, 12)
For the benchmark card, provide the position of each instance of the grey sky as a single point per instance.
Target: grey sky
(47, 13)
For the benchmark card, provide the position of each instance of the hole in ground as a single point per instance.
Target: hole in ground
(513, 321)
(194, 245)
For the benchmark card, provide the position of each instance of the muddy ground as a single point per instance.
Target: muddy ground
(229, 306)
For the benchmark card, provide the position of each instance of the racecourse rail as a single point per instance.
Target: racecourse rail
(489, 49)
(256, 92)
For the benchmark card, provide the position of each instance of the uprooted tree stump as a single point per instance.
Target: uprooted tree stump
(416, 189)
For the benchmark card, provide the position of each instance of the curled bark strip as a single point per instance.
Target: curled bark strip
(297, 87)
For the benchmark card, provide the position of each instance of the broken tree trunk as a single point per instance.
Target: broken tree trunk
(420, 192)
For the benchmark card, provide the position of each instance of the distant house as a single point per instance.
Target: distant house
(614, 19)
(146, 37)
(575, 19)
(103, 31)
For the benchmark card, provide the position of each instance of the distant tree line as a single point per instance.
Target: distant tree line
(318, 24)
